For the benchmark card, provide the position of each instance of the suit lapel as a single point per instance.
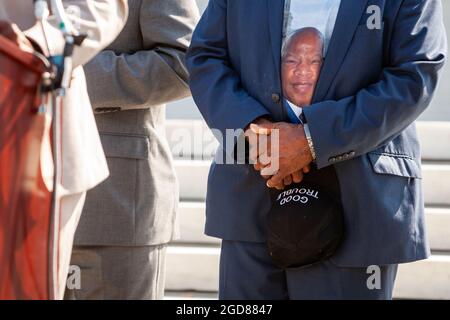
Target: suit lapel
(348, 18)
(275, 15)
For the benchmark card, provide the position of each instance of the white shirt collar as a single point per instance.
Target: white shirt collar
(297, 110)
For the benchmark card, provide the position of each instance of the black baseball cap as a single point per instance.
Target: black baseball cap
(305, 224)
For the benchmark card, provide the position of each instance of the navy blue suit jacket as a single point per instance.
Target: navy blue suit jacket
(373, 86)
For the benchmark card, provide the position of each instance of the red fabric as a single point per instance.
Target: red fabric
(25, 203)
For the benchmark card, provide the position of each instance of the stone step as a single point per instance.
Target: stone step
(193, 176)
(427, 279)
(192, 139)
(436, 184)
(438, 228)
(191, 268)
(192, 222)
(434, 139)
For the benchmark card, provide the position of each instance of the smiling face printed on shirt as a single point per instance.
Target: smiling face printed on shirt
(302, 59)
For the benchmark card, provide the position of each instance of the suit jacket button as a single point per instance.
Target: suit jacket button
(345, 156)
(276, 97)
(339, 158)
(352, 154)
(332, 160)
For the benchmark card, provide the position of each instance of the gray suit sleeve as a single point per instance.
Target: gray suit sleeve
(154, 75)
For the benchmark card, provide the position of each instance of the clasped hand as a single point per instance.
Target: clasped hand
(279, 151)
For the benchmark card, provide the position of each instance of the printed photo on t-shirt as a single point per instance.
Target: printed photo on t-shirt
(301, 63)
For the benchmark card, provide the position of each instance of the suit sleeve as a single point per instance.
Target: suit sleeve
(377, 114)
(215, 85)
(156, 74)
(101, 20)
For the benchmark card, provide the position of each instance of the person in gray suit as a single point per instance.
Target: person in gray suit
(121, 240)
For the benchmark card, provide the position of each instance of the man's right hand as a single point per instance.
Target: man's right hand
(12, 32)
(252, 138)
(295, 177)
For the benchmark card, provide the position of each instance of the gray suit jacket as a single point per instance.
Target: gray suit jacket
(129, 83)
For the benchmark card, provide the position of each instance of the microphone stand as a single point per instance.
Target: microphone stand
(57, 85)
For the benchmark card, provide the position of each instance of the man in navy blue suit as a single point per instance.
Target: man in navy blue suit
(380, 71)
